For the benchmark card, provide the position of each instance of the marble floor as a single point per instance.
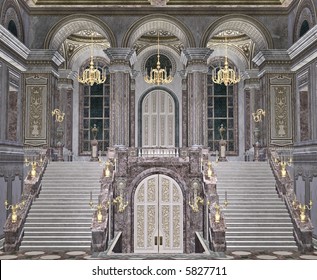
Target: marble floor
(234, 255)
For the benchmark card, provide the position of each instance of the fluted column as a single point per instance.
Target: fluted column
(121, 60)
(196, 61)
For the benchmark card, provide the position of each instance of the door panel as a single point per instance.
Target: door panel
(158, 216)
(158, 120)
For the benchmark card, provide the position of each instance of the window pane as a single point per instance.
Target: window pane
(220, 89)
(96, 107)
(96, 89)
(220, 107)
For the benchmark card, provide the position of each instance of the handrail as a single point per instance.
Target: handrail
(285, 188)
(13, 232)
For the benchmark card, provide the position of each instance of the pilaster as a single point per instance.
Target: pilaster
(120, 61)
(195, 60)
(40, 89)
(277, 84)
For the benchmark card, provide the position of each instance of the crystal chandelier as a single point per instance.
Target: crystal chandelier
(225, 75)
(157, 75)
(92, 75)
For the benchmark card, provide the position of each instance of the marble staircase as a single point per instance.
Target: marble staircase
(60, 218)
(256, 218)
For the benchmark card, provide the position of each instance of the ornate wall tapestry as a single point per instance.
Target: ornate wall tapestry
(35, 111)
(281, 111)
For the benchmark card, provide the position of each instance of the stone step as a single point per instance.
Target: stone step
(45, 238)
(45, 247)
(62, 224)
(269, 247)
(60, 229)
(253, 233)
(55, 233)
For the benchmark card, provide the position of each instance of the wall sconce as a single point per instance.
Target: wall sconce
(119, 200)
(34, 164)
(257, 116)
(302, 209)
(14, 208)
(59, 115)
(98, 207)
(196, 199)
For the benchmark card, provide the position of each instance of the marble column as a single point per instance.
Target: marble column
(195, 60)
(121, 60)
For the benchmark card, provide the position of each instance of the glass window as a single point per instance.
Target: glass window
(95, 110)
(222, 110)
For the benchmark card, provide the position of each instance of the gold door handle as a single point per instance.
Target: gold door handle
(161, 240)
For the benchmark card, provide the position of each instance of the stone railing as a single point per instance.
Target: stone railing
(13, 232)
(158, 152)
(303, 230)
(100, 230)
(216, 231)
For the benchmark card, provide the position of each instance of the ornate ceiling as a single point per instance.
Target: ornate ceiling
(170, 2)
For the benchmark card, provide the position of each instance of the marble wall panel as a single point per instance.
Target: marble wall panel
(304, 116)
(3, 197)
(12, 118)
(313, 197)
(300, 189)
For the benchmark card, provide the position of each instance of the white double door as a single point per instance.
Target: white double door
(158, 216)
(158, 120)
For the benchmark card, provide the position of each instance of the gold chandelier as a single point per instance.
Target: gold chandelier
(92, 75)
(226, 75)
(157, 75)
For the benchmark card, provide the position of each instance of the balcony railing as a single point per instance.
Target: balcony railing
(158, 152)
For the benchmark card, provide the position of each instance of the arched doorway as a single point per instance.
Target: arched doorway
(158, 216)
(158, 120)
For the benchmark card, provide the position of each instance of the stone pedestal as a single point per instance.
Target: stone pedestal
(94, 150)
(60, 155)
(223, 144)
(256, 151)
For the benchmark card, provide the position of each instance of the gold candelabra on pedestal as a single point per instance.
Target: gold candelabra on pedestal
(302, 208)
(218, 207)
(34, 164)
(99, 208)
(14, 208)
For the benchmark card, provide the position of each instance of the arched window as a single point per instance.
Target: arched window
(304, 28)
(13, 28)
(222, 109)
(95, 109)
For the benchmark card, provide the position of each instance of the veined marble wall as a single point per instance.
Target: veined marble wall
(313, 212)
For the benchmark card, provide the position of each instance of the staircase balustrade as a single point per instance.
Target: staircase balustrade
(158, 152)
(303, 230)
(100, 229)
(13, 231)
(216, 229)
